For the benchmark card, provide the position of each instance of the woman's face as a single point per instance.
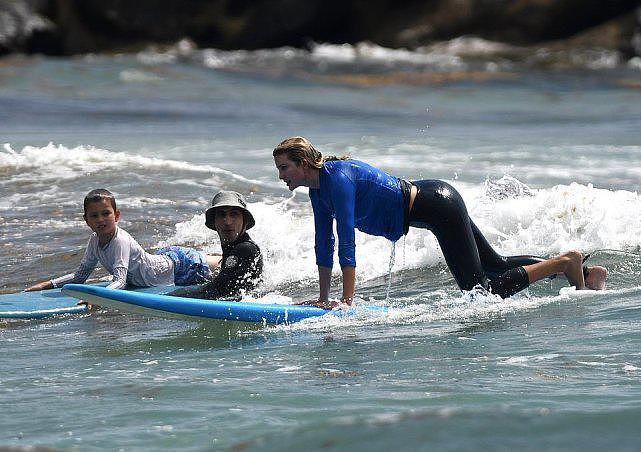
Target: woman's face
(293, 174)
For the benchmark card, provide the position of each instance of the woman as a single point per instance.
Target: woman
(359, 195)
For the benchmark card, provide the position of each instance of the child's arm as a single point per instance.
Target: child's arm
(119, 278)
(87, 264)
(79, 277)
(44, 285)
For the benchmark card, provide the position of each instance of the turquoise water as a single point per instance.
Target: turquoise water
(546, 161)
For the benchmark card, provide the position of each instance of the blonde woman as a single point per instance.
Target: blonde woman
(361, 196)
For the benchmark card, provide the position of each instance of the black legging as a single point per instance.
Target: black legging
(471, 259)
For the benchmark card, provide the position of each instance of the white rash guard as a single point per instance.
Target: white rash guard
(125, 259)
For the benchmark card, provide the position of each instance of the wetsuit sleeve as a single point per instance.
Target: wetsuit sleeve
(239, 271)
(87, 265)
(324, 235)
(343, 193)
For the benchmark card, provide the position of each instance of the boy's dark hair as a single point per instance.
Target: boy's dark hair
(98, 195)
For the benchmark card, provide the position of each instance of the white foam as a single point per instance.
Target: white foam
(635, 63)
(525, 221)
(443, 56)
(268, 58)
(595, 59)
(286, 237)
(424, 160)
(137, 76)
(55, 162)
(460, 53)
(140, 201)
(26, 201)
(525, 360)
(467, 307)
(372, 53)
(155, 56)
(218, 59)
(560, 218)
(321, 55)
(452, 307)
(469, 46)
(288, 369)
(48, 224)
(596, 364)
(194, 232)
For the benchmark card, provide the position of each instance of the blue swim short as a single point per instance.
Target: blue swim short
(190, 265)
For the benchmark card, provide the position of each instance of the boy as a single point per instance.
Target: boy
(124, 258)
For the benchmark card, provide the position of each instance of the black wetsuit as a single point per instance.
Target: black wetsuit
(471, 259)
(240, 269)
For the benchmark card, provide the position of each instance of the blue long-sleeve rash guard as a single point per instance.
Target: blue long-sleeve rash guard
(357, 195)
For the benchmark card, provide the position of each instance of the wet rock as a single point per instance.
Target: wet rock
(20, 22)
(635, 41)
(80, 26)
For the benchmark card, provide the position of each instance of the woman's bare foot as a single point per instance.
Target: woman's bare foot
(595, 278)
(329, 304)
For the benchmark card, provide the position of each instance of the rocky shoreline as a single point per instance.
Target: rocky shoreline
(71, 27)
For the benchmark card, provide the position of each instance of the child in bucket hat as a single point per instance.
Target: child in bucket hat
(241, 264)
(228, 199)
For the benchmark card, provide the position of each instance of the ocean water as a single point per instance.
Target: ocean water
(547, 161)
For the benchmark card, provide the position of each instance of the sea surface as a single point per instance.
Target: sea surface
(547, 160)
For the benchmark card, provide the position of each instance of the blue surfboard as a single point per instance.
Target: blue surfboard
(47, 303)
(168, 306)
(38, 305)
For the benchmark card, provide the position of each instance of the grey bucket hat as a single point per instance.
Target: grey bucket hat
(228, 199)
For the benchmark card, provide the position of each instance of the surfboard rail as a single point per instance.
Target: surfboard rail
(166, 305)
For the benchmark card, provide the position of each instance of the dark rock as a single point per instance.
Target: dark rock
(80, 26)
(616, 34)
(635, 41)
(519, 22)
(20, 22)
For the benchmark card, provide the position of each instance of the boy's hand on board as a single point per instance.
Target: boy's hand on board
(40, 286)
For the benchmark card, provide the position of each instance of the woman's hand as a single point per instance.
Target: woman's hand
(595, 278)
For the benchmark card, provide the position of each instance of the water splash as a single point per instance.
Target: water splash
(389, 270)
(57, 162)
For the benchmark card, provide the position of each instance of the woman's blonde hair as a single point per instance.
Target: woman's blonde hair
(300, 149)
